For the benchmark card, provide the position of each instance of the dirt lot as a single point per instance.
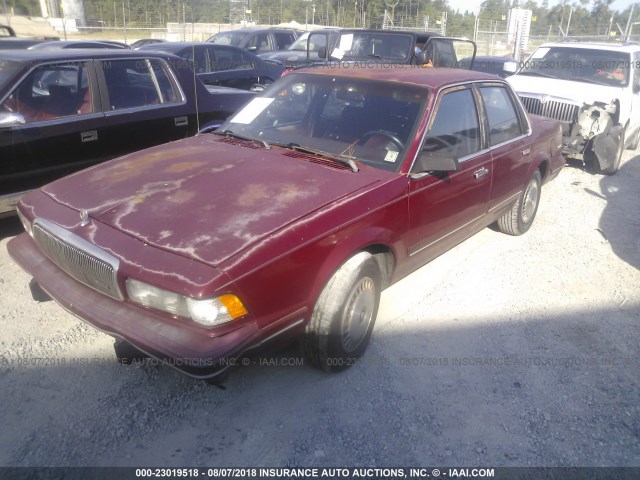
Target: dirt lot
(503, 352)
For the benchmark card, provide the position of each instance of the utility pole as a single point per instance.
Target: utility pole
(393, 10)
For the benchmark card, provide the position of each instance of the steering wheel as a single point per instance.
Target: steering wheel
(381, 133)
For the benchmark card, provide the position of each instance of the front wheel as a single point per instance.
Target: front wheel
(519, 219)
(342, 320)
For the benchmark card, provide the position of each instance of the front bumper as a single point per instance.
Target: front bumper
(198, 354)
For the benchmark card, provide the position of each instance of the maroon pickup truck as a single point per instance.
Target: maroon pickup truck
(292, 217)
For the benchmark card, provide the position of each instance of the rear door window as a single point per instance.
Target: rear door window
(504, 124)
(135, 83)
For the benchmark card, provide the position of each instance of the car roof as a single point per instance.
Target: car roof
(422, 76)
(174, 46)
(76, 54)
(51, 44)
(262, 29)
(621, 47)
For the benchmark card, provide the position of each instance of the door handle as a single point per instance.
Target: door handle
(480, 173)
(526, 152)
(181, 121)
(90, 136)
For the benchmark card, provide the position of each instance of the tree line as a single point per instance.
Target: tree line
(582, 17)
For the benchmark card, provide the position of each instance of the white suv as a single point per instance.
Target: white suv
(593, 89)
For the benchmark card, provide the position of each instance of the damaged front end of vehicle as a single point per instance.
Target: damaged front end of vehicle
(596, 135)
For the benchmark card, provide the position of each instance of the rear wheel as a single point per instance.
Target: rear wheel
(520, 218)
(343, 317)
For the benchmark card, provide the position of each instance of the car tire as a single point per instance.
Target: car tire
(343, 317)
(612, 167)
(520, 218)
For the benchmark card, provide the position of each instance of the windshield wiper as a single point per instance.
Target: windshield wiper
(340, 157)
(230, 133)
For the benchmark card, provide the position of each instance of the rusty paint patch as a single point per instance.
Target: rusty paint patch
(253, 195)
(289, 193)
(181, 196)
(181, 167)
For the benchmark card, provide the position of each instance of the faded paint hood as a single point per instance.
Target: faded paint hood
(204, 198)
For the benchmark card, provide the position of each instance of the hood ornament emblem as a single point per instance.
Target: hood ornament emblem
(84, 217)
(545, 99)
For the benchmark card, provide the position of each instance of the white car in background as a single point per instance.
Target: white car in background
(593, 89)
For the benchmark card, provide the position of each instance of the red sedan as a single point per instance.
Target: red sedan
(292, 217)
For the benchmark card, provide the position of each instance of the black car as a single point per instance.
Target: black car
(222, 64)
(257, 40)
(63, 110)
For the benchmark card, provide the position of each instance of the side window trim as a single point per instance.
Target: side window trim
(104, 94)
(521, 117)
(432, 116)
(92, 85)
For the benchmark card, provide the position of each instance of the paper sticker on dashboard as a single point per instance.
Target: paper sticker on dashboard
(391, 156)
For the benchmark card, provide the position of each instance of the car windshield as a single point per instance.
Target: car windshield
(367, 45)
(300, 43)
(8, 69)
(596, 66)
(352, 119)
(229, 38)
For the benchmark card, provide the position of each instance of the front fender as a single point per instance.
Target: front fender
(374, 239)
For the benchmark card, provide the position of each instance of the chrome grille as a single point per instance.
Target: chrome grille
(87, 268)
(565, 112)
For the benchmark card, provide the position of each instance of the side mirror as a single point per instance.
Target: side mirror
(322, 52)
(510, 67)
(422, 58)
(427, 162)
(11, 119)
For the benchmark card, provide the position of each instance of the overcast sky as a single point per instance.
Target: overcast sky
(474, 5)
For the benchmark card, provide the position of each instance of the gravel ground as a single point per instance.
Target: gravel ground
(506, 351)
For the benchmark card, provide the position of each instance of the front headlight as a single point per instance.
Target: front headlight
(209, 312)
